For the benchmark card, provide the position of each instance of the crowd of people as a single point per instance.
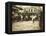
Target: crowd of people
(19, 15)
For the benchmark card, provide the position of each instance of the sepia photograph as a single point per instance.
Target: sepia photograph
(26, 17)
